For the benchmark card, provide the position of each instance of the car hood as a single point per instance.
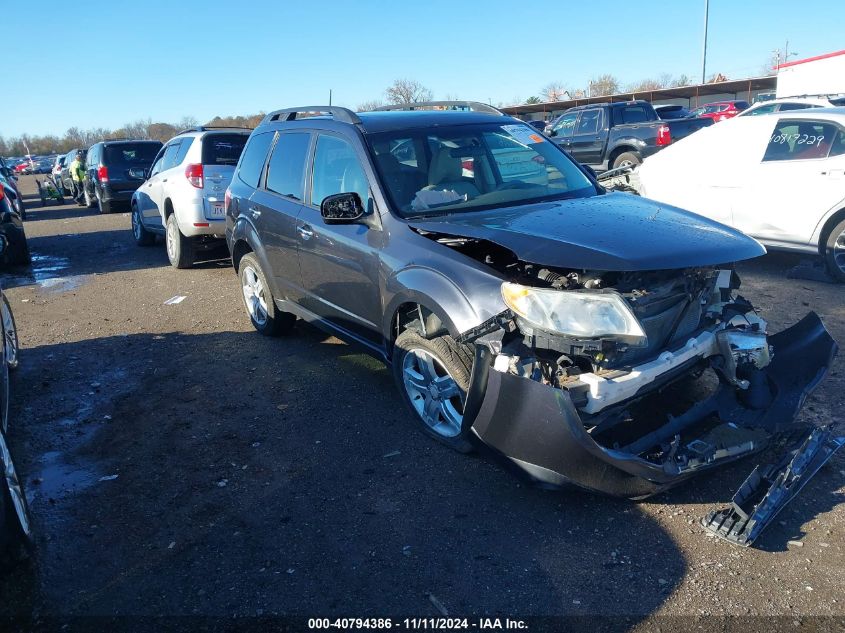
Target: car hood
(611, 232)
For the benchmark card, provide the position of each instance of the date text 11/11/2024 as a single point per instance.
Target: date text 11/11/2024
(415, 624)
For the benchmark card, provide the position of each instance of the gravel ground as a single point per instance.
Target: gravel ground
(179, 463)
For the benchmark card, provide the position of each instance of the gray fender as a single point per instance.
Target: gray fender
(245, 231)
(627, 141)
(433, 290)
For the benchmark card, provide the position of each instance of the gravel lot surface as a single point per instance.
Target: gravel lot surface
(179, 463)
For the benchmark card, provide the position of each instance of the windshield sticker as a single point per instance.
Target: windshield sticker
(523, 134)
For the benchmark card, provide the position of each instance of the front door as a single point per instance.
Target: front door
(340, 262)
(588, 138)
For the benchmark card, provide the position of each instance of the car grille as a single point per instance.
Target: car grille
(659, 325)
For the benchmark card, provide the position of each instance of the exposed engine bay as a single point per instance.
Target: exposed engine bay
(699, 383)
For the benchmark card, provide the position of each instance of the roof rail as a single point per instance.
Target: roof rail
(205, 128)
(471, 106)
(344, 115)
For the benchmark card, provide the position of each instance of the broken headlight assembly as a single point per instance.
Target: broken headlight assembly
(575, 313)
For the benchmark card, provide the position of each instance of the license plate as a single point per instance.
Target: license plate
(217, 210)
(136, 173)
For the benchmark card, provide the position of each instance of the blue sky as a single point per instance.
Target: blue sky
(165, 60)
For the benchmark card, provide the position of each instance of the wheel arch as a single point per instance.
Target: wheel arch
(835, 218)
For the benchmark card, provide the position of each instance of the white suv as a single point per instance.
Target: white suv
(183, 196)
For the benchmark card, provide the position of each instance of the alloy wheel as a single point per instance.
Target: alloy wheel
(136, 225)
(254, 295)
(11, 333)
(433, 392)
(839, 251)
(172, 229)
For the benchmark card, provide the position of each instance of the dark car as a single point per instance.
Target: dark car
(613, 135)
(572, 331)
(115, 169)
(9, 182)
(13, 246)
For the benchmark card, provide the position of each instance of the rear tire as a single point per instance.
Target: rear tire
(142, 236)
(180, 249)
(627, 159)
(259, 302)
(16, 538)
(433, 377)
(834, 252)
(103, 207)
(89, 201)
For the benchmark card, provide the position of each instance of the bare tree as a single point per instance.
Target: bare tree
(555, 91)
(604, 85)
(681, 81)
(369, 106)
(404, 91)
(645, 85)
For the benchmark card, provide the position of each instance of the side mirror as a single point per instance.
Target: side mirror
(342, 208)
(551, 133)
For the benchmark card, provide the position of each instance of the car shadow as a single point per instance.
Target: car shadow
(59, 212)
(293, 467)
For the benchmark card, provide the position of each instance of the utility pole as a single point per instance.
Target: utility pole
(704, 51)
(330, 96)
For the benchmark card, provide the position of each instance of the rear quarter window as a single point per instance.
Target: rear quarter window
(801, 140)
(254, 156)
(223, 149)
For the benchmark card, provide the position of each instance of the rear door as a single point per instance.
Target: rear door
(275, 207)
(561, 131)
(587, 144)
(220, 154)
(151, 193)
(126, 163)
(799, 177)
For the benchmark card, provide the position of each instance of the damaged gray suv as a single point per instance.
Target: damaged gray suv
(587, 337)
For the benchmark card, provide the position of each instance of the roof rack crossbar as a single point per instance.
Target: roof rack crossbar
(205, 128)
(472, 106)
(338, 113)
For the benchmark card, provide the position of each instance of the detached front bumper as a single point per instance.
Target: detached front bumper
(538, 430)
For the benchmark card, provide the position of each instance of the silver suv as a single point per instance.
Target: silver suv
(182, 197)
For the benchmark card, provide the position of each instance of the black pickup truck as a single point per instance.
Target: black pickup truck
(611, 135)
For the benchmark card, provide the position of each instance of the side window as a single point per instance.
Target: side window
(337, 170)
(838, 146)
(286, 170)
(589, 122)
(253, 158)
(796, 106)
(168, 160)
(565, 124)
(184, 146)
(800, 140)
(634, 114)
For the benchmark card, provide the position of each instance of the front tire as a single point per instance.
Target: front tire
(433, 378)
(259, 302)
(180, 249)
(627, 159)
(834, 252)
(142, 236)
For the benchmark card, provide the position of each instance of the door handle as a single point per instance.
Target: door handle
(305, 232)
(256, 213)
(164, 180)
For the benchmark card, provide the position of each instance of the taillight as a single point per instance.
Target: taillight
(664, 136)
(2, 191)
(194, 175)
(103, 173)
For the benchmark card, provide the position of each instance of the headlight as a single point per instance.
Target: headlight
(580, 314)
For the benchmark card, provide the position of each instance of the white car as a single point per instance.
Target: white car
(791, 103)
(183, 196)
(779, 178)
